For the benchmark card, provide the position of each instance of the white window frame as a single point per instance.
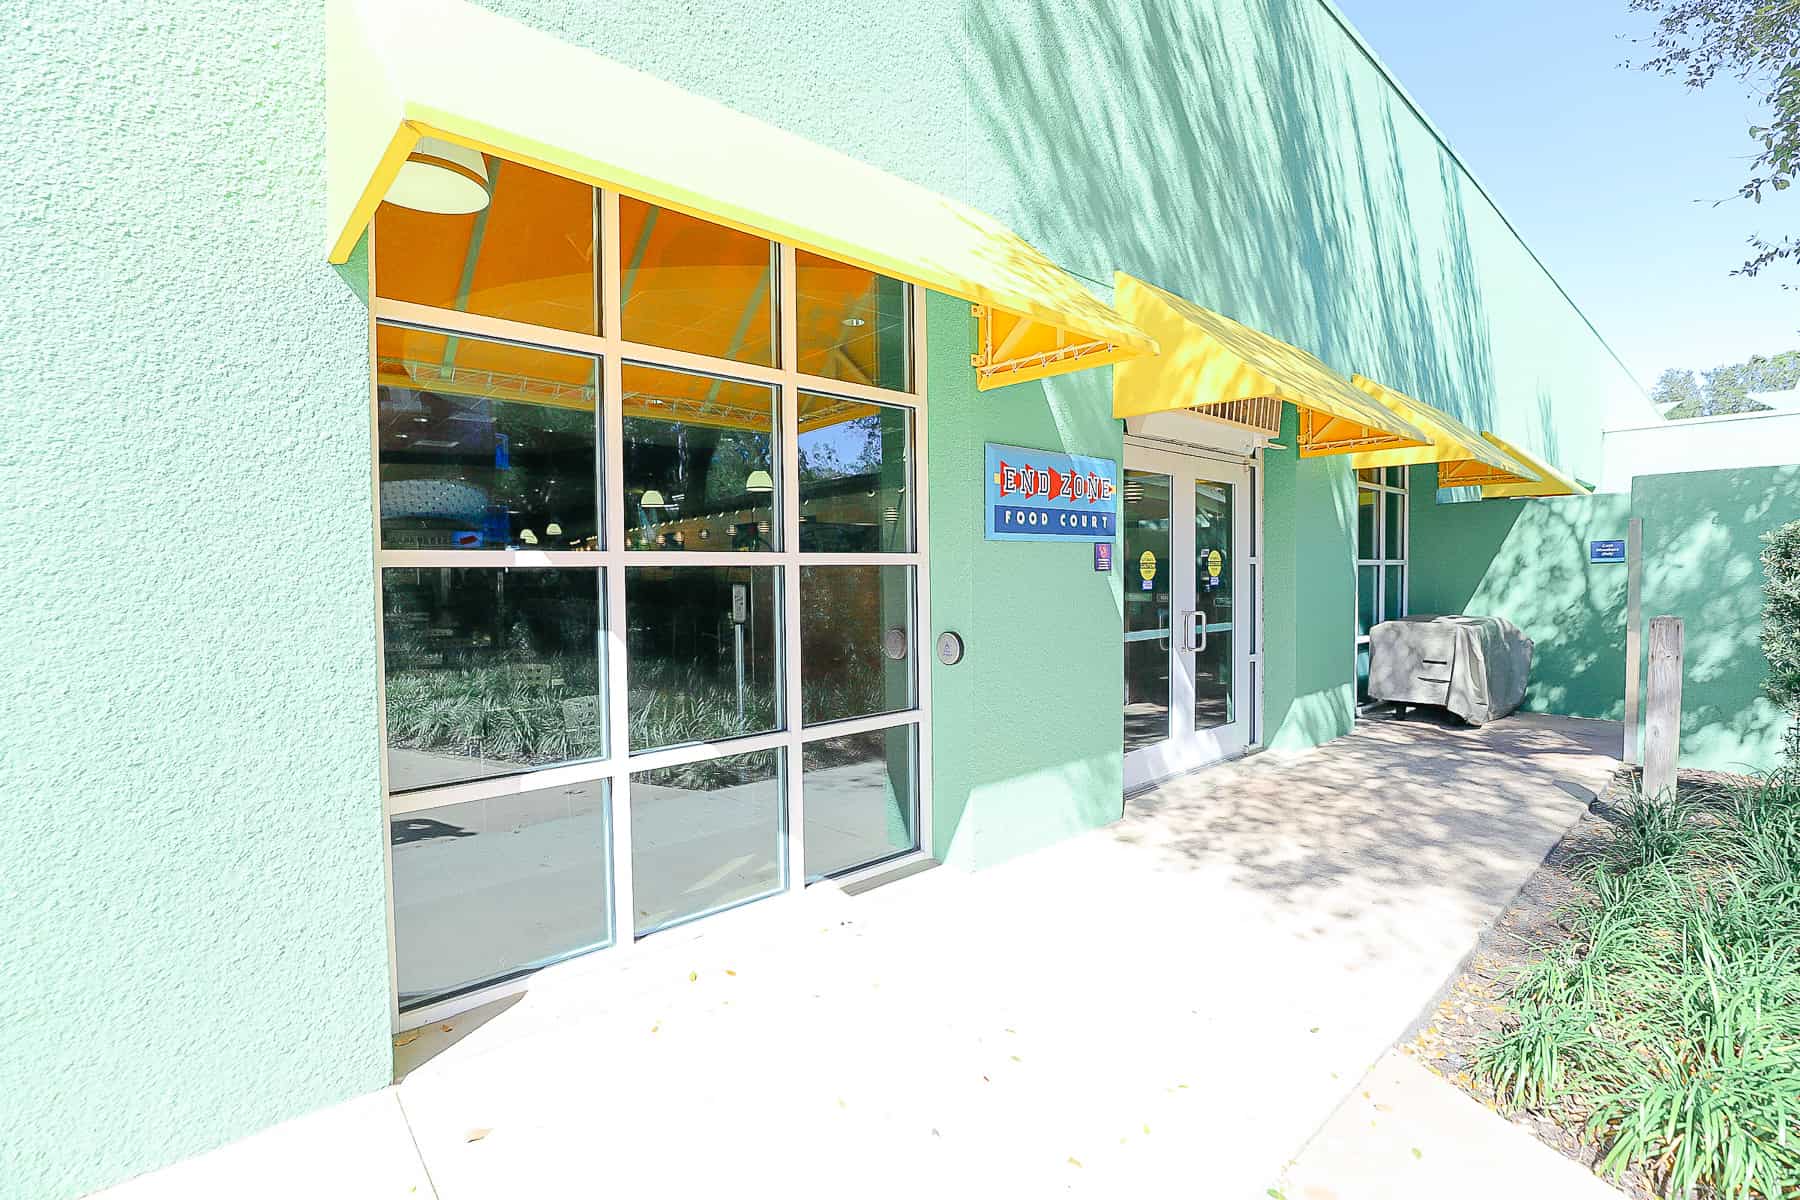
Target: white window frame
(613, 350)
(1383, 559)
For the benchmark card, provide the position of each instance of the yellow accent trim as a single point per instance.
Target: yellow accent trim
(1465, 457)
(1555, 482)
(1209, 359)
(397, 69)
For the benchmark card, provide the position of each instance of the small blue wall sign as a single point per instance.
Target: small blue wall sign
(1607, 552)
(1103, 557)
(1043, 496)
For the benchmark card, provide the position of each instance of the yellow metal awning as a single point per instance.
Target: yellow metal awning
(1552, 481)
(1211, 361)
(398, 70)
(1465, 458)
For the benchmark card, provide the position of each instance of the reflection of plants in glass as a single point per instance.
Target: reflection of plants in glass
(673, 705)
(530, 714)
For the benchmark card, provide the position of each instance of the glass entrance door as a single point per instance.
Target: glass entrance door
(1189, 596)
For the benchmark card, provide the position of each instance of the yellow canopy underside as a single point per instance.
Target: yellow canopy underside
(1553, 482)
(397, 70)
(1209, 360)
(1465, 458)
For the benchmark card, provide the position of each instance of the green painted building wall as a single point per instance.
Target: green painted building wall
(1527, 560)
(192, 926)
(1026, 730)
(193, 920)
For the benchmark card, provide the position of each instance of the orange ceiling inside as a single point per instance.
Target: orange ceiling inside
(686, 284)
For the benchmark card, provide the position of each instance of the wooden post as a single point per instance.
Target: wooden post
(1634, 634)
(1662, 727)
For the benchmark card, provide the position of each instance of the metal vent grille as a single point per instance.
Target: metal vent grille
(1260, 414)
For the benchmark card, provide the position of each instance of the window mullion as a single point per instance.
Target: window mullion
(612, 522)
(788, 447)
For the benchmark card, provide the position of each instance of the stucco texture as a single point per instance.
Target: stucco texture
(1027, 729)
(191, 900)
(1527, 561)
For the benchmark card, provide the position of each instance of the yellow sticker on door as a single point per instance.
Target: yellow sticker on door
(1147, 568)
(1215, 564)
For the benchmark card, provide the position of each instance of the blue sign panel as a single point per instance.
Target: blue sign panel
(1042, 496)
(1103, 557)
(1607, 552)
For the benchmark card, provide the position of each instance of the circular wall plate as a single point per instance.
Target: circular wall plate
(949, 648)
(893, 643)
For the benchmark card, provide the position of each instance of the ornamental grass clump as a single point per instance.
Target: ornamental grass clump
(1781, 627)
(1666, 1025)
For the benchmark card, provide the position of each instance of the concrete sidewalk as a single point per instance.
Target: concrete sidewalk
(1173, 1005)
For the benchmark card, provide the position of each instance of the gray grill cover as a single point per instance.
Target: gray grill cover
(1474, 666)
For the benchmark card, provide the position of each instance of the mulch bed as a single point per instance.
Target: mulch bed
(1471, 1011)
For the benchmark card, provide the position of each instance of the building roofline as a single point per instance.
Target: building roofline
(1721, 418)
(1393, 80)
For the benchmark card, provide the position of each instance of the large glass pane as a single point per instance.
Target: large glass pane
(484, 445)
(1362, 673)
(853, 473)
(1393, 595)
(861, 804)
(705, 836)
(703, 658)
(526, 255)
(492, 888)
(490, 671)
(690, 285)
(699, 461)
(1366, 511)
(1215, 613)
(1148, 570)
(856, 642)
(1393, 525)
(1367, 613)
(852, 324)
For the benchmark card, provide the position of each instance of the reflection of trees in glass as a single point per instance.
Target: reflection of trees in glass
(845, 612)
(707, 466)
(853, 447)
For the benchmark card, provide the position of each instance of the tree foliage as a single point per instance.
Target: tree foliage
(1757, 44)
(1726, 389)
(1781, 625)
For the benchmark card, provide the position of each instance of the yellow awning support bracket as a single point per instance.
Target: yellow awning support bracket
(397, 70)
(1210, 362)
(1464, 457)
(1551, 480)
(1010, 348)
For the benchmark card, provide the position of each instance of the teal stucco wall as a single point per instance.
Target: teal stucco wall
(1527, 560)
(192, 923)
(1026, 730)
(193, 919)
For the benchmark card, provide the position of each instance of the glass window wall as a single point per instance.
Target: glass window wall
(599, 598)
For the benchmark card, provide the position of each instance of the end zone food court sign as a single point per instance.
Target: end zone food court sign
(1042, 496)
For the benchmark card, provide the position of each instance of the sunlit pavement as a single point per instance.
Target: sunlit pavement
(1170, 1006)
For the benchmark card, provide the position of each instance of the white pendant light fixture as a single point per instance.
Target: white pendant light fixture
(759, 481)
(652, 499)
(439, 177)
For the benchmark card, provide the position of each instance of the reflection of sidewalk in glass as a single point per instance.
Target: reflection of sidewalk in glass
(485, 890)
(490, 887)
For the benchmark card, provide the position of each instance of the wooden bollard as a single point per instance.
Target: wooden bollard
(1662, 723)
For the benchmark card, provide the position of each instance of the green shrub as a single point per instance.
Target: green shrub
(1781, 626)
(1667, 1022)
